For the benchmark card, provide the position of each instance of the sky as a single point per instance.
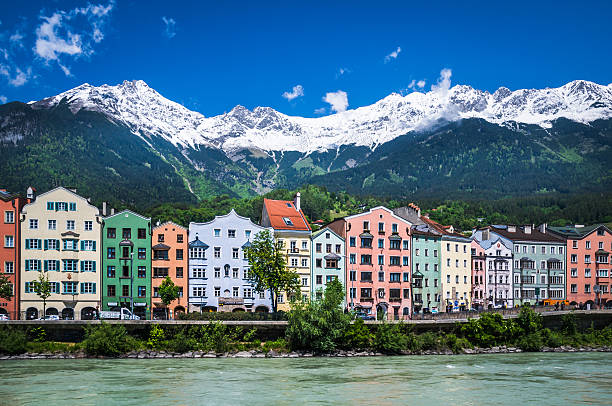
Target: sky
(301, 58)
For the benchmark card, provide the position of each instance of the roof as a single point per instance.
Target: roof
(7, 196)
(574, 233)
(332, 256)
(128, 211)
(278, 210)
(325, 230)
(197, 243)
(520, 235)
(161, 247)
(167, 223)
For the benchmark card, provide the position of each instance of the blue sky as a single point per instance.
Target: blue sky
(301, 58)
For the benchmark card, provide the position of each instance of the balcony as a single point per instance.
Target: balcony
(366, 299)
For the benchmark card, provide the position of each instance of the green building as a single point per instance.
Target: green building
(426, 282)
(126, 263)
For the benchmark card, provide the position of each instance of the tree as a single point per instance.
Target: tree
(6, 288)
(168, 292)
(42, 288)
(268, 270)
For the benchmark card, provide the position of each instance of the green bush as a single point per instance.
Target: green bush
(156, 337)
(319, 325)
(568, 324)
(456, 344)
(181, 343)
(531, 342)
(357, 336)
(12, 341)
(489, 330)
(37, 334)
(280, 345)
(51, 347)
(108, 339)
(389, 338)
(528, 320)
(237, 316)
(551, 338)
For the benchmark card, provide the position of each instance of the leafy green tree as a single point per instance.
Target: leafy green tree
(168, 292)
(42, 288)
(6, 288)
(268, 267)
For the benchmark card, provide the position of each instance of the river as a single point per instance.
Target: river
(508, 379)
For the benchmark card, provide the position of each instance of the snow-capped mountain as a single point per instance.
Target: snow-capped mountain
(147, 113)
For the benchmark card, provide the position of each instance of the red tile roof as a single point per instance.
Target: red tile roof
(279, 209)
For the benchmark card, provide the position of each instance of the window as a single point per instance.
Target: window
(88, 225)
(394, 260)
(52, 224)
(352, 258)
(588, 245)
(69, 288)
(71, 245)
(304, 245)
(366, 226)
(381, 276)
(88, 266)
(142, 291)
(560, 250)
(179, 254)
(88, 287)
(304, 281)
(88, 245)
(587, 259)
(217, 272)
(235, 253)
(456, 279)
(160, 272)
(366, 259)
(319, 279)
(111, 232)
(248, 293)
(353, 293)
(435, 253)
(217, 291)
(447, 278)
(33, 224)
(319, 262)
(110, 290)
(125, 290)
(366, 293)
(381, 243)
(405, 261)
(142, 271)
(587, 288)
(110, 253)
(142, 253)
(416, 252)
(288, 221)
(197, 253)
(126, 233)
(72, 206)
(9, 267)
(217, 232)
(160, 238)
(587, 273)
(294, 262)
(9, 241)
(353, 275)
(394, 277)
(381, 260)
(9, 217)
(338, 249)
(352, 241)
(142, 233)
(448, 247)
(70, 225)
(110, 271)
(318, 247)
(197, 272)
(305, 262)
(405, 244)
(235, 273)
(217, 252)
(366, 276)
(381, 227)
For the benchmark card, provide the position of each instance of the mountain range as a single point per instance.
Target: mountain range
(129, 141)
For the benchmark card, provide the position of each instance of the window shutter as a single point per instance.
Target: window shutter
(57, 265)
(46, 265)
(38, 263)
(82, 245)
(82, 288)
(94, 285)
(27, 264)
(57, 288)
(46, 245)
(82, 266)
(57, 206)
(39, 243)
(93, 266)
(27, 244)
(57, 245)
(94, 245)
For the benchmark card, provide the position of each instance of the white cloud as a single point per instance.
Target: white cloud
(393, 55)
(342, 72)
(16, 38)
(20, 77)
(3, 99)
(170, 29)
(321, 110)
(297, 91)
(414, 84)
(444, 82)
(57, 37)
(421, 84)
(338, 100)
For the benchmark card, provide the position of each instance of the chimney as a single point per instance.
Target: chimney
(527, 229)
(112, 211)
(542, 228)
(30, 193)
(512, 229)
(485, 234)
(104, 209)
(296, 201)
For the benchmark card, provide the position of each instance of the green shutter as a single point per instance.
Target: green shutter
(93, 267)
(46, 265)
(39, 243)
(46, 245)
(57, 244)
(27, 265)
(82, 289)
(82, 266)
(57, 266)
(82, 245)
(94, 285)
(94, 245)
(38, 263)
(27, 243)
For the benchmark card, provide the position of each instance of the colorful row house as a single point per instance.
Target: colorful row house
(588, 249)
(328, 260)
(492, 257)
(219, 272)
(60, 235)
(377, 262)
(11, 205)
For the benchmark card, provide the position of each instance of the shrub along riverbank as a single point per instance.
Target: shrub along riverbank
(316, 328)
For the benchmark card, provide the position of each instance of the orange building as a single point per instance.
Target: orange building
(589, 280)
(10, 209)
(169, 259)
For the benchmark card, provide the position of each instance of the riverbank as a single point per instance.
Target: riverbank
(151, 354)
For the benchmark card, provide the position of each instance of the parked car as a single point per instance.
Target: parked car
(364, 316)
(123, 314)
(4, 317)
(50, 317)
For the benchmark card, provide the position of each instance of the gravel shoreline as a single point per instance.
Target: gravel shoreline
(150, 354)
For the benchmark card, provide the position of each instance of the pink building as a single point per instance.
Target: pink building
(479, 288)
(377, 262)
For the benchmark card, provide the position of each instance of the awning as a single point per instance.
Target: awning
(395, 237)
(197, 244)
(161, 247)
(332, 256)
(366, 235)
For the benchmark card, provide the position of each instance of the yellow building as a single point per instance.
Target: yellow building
(455, 272)
(292, 229)
(61, 237)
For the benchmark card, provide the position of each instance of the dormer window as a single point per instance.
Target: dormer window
(288, 205)
(288, 221)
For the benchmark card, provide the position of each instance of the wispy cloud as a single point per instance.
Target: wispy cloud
(414, 84)
(170, 27)
(338, 101)
(393, 55)
(297, 91)
(3, 99)
(58, 37)
(321, 110)
(342, 72)
(444, 81)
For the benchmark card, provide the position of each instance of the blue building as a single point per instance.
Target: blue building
(219, 278)
(328, 260)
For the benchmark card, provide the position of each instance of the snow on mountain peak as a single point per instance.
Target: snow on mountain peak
(147, 113)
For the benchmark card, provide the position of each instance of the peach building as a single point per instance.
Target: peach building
(479, 287)
(377, 262)
(588, 264)
(169, 259)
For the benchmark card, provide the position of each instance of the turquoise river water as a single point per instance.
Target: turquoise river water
(509, 379)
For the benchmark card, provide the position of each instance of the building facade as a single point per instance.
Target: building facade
(378, 262)
(169, 260)
(219, 272)
(126, 260)
(60, 236)
(589, 275)
(291, 228)
(426, 276)
(539, 268)
(456, 272)
(10, 249)
(479, 279)
(328, 260)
